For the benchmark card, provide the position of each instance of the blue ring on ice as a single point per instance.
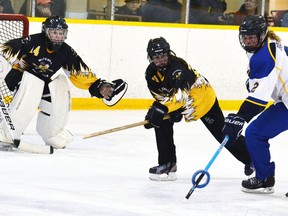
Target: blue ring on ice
(205, 172)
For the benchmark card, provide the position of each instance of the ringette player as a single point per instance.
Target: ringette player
(34, 81)
(268, 78)
(180, 90)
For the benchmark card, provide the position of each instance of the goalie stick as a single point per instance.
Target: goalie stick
(17, 143)
(205, 171)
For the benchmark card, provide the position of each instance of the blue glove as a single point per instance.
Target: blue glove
(155, 115)
(233, 126)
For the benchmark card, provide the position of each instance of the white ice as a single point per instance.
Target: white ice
(108, 175)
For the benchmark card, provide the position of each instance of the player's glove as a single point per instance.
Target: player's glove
(94, 89)
(155, 115)
(233, 127)
(119, 89)
(113, 91)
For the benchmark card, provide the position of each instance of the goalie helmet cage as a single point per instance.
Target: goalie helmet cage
(13, 26)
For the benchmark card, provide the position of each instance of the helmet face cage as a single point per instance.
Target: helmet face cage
(252, 33)
(55, 29)
(157, 46)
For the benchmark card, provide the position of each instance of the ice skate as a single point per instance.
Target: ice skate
(254, 185)
(164, 172)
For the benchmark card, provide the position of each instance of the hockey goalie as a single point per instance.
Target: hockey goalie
(31, 82)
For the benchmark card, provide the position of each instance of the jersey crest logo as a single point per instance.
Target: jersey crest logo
(177, 73)
(44, 65)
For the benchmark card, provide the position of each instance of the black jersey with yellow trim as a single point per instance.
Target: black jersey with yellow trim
(180, 86)
(31, 54)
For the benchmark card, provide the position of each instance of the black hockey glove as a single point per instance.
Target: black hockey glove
(95, 87)
(233, 127)
(155, 115)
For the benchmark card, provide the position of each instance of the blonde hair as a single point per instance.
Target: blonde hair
(271, 34)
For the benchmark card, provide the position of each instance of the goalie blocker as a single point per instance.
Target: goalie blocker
(119, 88)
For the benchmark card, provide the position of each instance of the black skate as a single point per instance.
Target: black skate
(249, 169)
(254, 185)
(164, 172)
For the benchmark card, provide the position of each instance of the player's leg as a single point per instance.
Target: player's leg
(214, 121)
(8, 86)
(23, 106)
(54, 113)
(166, 170)
(268, 125)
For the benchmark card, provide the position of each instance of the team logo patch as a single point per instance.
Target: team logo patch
(177, 73)
(43, 66)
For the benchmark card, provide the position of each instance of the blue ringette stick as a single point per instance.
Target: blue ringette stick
(205, 171)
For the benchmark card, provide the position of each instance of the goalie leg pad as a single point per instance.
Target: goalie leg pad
(25, 103)
(54, 115)
(59, 140)
(5, 136)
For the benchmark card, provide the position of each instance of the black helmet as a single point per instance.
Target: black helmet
(157, 46)
(253, 25)
(54, 23)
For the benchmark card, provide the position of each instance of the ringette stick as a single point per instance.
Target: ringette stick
(205, 171)
(124, 127)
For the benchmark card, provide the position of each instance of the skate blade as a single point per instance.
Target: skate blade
(268, 190)
(171, 176)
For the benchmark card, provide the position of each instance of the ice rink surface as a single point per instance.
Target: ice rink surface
(108, 175)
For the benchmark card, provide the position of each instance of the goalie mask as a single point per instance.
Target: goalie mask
(55, 30)
(252, 33)
(158, 51)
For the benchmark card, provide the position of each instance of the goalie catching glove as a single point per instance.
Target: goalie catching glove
(110, 93)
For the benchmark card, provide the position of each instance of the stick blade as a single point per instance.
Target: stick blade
(36, 149)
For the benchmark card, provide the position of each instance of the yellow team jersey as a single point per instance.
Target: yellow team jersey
(181, 87)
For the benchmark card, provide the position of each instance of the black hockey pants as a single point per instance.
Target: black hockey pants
(214, 121)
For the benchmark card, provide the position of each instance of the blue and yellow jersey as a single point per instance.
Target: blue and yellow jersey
(268, 77)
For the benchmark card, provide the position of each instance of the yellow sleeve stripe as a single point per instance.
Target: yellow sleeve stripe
(253, 102)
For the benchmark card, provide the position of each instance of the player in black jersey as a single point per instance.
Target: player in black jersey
(35, 80)
(179, 91)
